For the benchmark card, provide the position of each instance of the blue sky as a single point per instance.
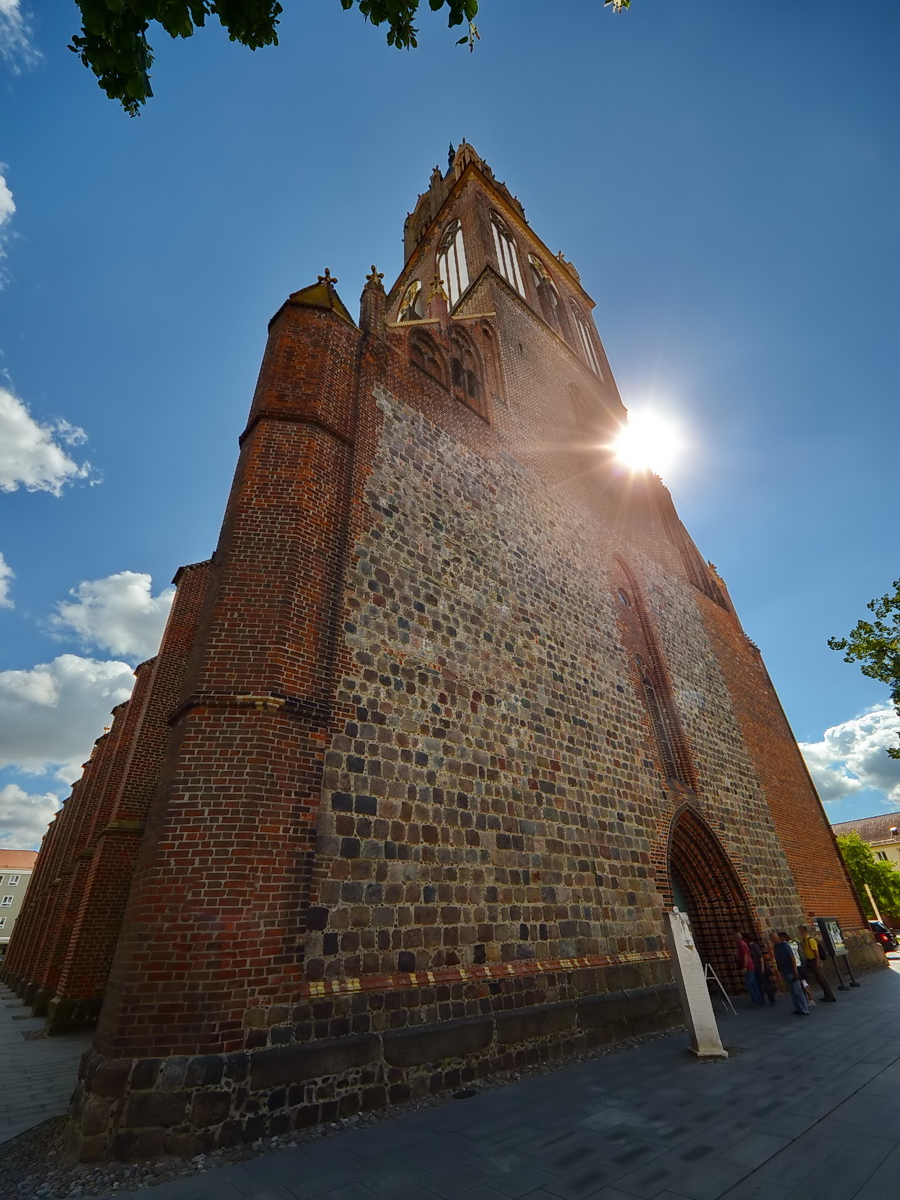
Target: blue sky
(724, 176)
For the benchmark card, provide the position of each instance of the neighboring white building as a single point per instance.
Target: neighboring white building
(881, 833)
(16, 867)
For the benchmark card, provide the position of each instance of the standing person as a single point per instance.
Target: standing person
(764, 984)
(787, 968)
(744, 961)
(809, 952)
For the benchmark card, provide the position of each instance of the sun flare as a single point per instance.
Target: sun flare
(649, 442)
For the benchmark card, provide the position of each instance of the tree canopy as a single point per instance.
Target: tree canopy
(876, 646)
(113, 39)
(882, 878)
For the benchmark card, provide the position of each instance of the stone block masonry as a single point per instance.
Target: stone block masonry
(460, 711)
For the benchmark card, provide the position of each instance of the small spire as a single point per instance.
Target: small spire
(375, 277)
(452, 155)
(328, 278)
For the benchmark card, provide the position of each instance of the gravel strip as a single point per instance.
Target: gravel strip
(36, 1165)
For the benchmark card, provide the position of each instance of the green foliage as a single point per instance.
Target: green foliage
(876, 646)
(113, 38)
(882, 878)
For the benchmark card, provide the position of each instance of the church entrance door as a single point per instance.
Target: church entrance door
(706, 886)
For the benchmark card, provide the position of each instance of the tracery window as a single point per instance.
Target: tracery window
(466, 373)
(547, 294)
(452, 262)
(655, 690)
(507, 256)
(656, 708)
(587, 341)
(412, 306)
(427, 354)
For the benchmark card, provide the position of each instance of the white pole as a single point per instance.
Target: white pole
(872, 898)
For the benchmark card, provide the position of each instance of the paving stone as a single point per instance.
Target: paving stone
(753, 1150)
(709, 1181)
(652, 1179)
(451, 1182)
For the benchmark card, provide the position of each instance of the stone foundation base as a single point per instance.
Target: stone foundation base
(134, 1109)
(64, 1015)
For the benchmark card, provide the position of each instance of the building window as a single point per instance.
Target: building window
(425, 353)
(547, 295)
(653, 685)
(13, 880)
(412, 306)
(881, 855)
(6, 902)
(507, 256)
(587, 342)
(452, 262)
(465, 373)
(2, 922)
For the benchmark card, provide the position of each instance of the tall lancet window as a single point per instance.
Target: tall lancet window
(655, 689)
(587, 342)
(452, 262)
(547, 295)
(507, 257)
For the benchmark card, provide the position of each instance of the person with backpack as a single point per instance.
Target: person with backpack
(811, 952)
(787, 967)
(764, 983)
(744, 960)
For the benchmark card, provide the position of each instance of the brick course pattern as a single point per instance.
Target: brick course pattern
(460, 710)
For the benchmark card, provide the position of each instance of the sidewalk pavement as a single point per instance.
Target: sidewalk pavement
(38, 1077)
(805, 1107)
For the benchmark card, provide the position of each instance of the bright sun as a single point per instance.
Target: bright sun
(649, 442)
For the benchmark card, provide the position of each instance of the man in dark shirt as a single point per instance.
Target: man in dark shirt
(787, 967)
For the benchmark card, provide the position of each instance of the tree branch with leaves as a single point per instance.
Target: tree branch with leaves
(882, 877)
(875, 645)
(113, 40)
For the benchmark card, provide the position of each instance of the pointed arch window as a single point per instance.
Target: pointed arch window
(466, 373)
(548, 298)
(656, 708)
(586, 341)
(452, 266)
(412, 306)
(507, 255)
(427, 354)
(655, 691)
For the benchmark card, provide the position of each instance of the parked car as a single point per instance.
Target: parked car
(884, 935)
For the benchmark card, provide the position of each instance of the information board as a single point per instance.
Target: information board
(831, 935)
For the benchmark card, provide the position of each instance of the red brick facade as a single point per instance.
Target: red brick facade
(464, 707)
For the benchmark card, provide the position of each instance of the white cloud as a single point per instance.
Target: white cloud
(7, 575)
(15, 35)
(51, 714)
(7, 204)
(30, 455)
(118, 613)
(852, 756)
(24, 817)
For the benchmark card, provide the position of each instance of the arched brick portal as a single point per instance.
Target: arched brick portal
(703, 877)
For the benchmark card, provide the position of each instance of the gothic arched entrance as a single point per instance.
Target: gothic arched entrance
(705, 885)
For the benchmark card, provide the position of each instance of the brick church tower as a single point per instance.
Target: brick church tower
(453, 713)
